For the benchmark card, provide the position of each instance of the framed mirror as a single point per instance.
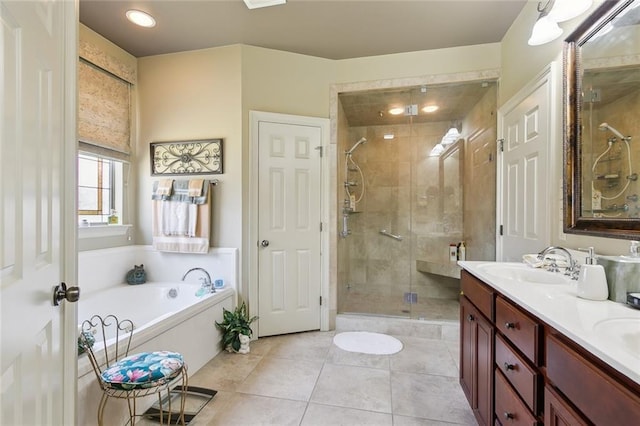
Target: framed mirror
(602, 123)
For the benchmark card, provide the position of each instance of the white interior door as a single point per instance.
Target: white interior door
(524, 182)
(289, 200)
(32, 252)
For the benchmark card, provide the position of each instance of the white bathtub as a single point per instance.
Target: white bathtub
(184, 324)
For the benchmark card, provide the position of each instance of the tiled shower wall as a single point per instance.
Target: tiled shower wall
(403, 196)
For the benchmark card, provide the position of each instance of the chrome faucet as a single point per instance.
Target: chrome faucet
(572, 268)
(206, 281)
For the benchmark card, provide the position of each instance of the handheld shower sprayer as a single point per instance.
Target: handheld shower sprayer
(353, 148)
(606, 126)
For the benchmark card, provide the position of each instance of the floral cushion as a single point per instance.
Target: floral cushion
(143, 370)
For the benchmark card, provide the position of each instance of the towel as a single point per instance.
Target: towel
(164, 188)
(195, 187)
(535, 262)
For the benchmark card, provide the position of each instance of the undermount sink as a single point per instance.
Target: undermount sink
(524, 273)
(623, 332)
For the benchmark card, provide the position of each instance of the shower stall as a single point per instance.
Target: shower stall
(404, 158)
(610, 147)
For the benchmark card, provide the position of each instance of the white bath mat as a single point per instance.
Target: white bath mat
(367, 343)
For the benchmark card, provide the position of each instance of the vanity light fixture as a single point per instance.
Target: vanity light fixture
(140, 18)
(255, 4)
(396, 110)
(430, 108)
(546, 28)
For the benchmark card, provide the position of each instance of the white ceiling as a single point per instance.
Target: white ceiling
(333, 29)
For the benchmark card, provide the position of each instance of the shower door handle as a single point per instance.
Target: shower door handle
(264, 243)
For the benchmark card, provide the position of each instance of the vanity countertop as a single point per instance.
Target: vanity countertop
(609, 330)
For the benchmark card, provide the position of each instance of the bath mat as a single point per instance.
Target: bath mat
(367, 343)
(195, 401)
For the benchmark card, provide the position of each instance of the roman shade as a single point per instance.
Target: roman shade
(104, 103)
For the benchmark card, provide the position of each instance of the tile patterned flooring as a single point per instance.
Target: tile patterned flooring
(303, 379)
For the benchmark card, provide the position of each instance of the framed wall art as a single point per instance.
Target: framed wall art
(198, 157)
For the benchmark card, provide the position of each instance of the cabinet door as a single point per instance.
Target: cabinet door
(467, 354)
(476, 361)
(557, 412)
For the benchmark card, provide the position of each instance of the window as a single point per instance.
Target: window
(100, 188)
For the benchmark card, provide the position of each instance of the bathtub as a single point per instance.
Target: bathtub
(184, 323)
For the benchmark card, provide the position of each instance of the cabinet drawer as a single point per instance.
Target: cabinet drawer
(519, 328)
(509, 408)
(558, 413)
(601, 398)
(523, 378)
(478, 293)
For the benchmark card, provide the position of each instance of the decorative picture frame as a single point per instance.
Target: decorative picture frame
(197, 157)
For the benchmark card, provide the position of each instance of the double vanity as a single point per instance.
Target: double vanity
(533, 353)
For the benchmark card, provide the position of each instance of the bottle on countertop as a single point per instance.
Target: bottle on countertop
(592, 281)
(113, 218)
(462, 251)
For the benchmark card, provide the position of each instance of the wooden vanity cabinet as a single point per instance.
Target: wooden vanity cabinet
(525, 372)
(476, 347)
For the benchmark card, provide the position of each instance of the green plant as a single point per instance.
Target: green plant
(233, 325)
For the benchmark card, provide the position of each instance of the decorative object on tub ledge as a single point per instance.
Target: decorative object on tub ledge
(137, 275)
(181, 220)
(130, 377)
(86, 339)
(236, 330)
(198, 157)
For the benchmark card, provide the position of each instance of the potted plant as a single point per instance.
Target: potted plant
(236, 329)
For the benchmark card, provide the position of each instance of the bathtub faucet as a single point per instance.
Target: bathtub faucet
(206, 281)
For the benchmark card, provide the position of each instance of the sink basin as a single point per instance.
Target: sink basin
(624, 333)
(524, 273)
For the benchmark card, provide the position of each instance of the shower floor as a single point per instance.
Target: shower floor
(374, 304)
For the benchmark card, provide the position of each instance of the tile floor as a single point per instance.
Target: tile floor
(303, 379)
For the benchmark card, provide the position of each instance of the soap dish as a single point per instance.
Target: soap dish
(633, 299)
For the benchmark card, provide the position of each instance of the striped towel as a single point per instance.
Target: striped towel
(195, 187)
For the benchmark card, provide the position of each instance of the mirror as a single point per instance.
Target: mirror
(602, 129)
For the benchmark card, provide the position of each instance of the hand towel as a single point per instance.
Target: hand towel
(165, 188)
(195, 187)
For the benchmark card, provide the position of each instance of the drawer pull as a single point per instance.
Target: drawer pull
(508, 366)
(509, 416)
(509, 325)
(471, 318)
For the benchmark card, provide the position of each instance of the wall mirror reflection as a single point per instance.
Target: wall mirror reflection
(602, 136)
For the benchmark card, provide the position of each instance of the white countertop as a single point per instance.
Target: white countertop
(586, 322)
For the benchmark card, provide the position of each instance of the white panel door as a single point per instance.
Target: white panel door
(32, 259)
(289, 202)
(524, 188)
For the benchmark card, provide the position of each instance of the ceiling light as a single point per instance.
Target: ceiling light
(430, 108)
(564, 10)
(389, 136)
(255, 4)
(141, 18)
(544, 31)
(396, 110)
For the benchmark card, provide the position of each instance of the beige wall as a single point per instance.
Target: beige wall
(193, 95)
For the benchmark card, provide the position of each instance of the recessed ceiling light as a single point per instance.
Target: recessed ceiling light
(255, 4)
(141, 18)
(430, 108)
(396, 110)
(388, 136)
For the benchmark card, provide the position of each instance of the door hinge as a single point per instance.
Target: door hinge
(320, 149)
(501, 230)
(320, 226)
(320, 300)
(501, 145)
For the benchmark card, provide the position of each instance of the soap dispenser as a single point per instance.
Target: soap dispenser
(592, 281)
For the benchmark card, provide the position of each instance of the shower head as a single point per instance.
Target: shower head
(606, 126)
(353, 148)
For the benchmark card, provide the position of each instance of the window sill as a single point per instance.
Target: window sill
(101, 231)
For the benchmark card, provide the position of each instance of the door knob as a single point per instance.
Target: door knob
(264, 243)
(60, 292)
